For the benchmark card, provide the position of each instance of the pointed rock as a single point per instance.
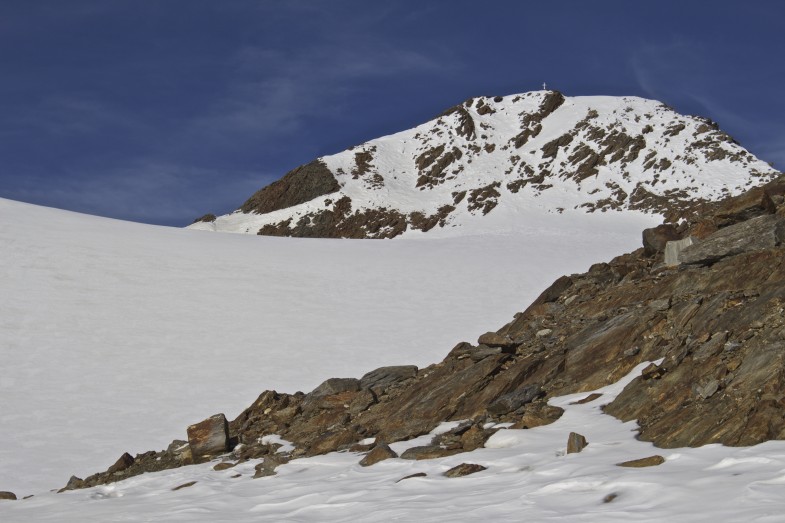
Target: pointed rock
(380, 452)
(576, 443)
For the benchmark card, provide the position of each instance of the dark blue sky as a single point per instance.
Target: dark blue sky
(160, 111)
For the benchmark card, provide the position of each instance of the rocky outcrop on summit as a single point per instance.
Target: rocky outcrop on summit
(518, 154)
(298, 186)
(716, 330)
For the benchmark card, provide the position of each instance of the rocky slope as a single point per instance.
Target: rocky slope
(703, 298)
(537, 151)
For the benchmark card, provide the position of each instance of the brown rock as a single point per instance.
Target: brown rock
(464, 469)
(209, 437)
(125, 461)
(10, 496)
(298, 186)
(379, 453)
(492, 339)
(224, 465)
(650, 461)
(575, 443)
(752, 203)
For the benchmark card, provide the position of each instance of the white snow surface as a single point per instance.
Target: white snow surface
(116, 336)
(528, 477)
(678, 154)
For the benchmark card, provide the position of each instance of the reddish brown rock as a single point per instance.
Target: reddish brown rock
(209, 437)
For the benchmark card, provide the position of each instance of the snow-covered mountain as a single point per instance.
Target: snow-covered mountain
(491, 162)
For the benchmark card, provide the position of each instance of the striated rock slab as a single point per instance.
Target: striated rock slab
(464, 469)
(763, 232)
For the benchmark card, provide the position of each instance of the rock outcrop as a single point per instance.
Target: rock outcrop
(717, 327)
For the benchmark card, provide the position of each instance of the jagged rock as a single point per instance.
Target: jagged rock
(73, 484)
(515, 400)
(555, 290)
(428, 452)
(125, 461)
(763, 232)
(673, 250)
(655, 239)
(185, 485)
(492, 339)
(10, 496)
(415, 475)
(209, 437)
(575, 443)
(464, 469)
(336, 386)
(207, 218)
(382, 378)
(650, 461)
(380, 452)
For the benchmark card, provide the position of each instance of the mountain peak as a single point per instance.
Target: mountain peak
(509, 155)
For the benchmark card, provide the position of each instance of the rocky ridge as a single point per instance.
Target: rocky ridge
(713, 319)
(537, 151)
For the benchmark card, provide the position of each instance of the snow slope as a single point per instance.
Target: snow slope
(528, 478)
(537, 150)
(115, 336)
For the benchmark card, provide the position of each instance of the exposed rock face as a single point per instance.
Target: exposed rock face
(209, 437)
(298, 186)
(718, 328)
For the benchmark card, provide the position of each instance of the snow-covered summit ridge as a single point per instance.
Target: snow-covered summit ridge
(509, 157)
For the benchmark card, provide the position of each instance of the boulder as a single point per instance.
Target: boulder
(125, 461)
(514, 400)
(209, 437)
(382, 378)
(224, 465)
(763, 232)
(336, 386)
(492, 339)
(655, 239)
(380, 452)
(464, 469)
(576, 443)
(10, 496)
